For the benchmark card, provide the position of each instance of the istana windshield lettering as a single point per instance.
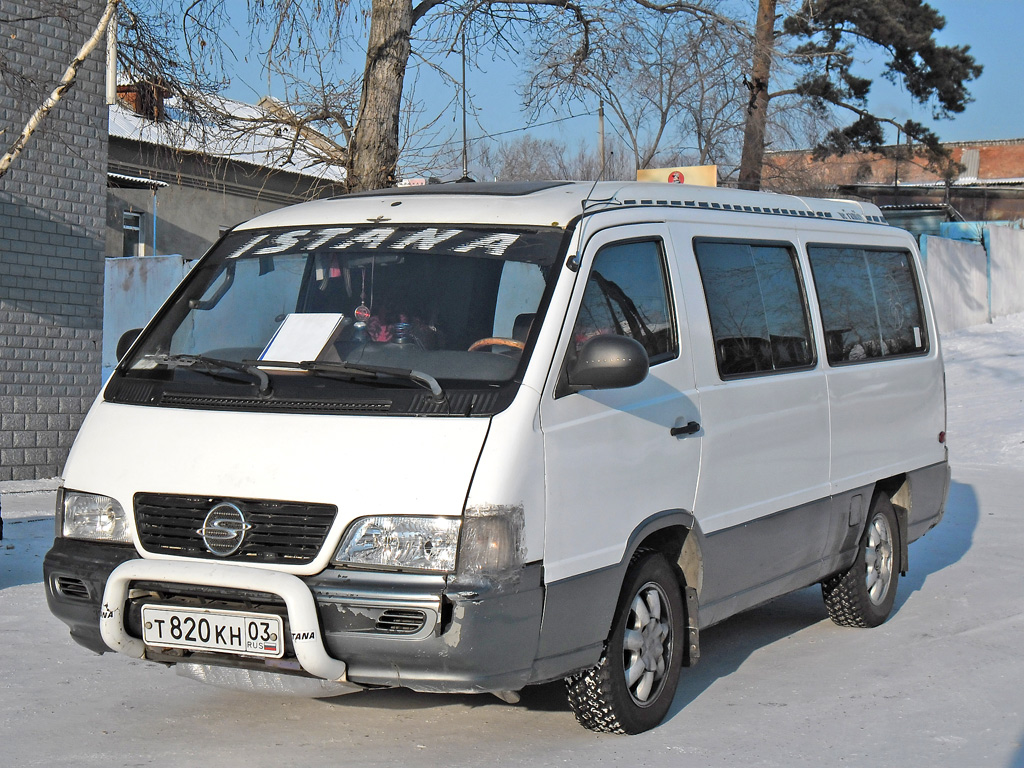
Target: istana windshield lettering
(284, 242)
(457, 241)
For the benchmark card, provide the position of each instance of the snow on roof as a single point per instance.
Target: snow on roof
(254, 134)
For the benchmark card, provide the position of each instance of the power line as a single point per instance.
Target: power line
(512, 130)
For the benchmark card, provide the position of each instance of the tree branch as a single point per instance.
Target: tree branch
(698, 11)
(68, 80)
(859, 111)
(423, 8)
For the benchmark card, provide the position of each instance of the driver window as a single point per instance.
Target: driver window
(627, 294)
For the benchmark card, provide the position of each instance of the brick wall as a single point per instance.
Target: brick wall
(52, 217)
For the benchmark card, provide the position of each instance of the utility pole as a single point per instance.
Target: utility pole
(600, 135)
(896, 168)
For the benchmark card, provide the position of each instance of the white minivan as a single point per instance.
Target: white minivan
(475, 437)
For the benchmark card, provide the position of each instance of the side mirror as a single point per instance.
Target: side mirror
(125, 342)
(608, 362)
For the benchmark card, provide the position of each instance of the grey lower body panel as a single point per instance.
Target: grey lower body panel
(578, 615)
(747, 565)
(928, 487)
(485, 637)
(751, 563)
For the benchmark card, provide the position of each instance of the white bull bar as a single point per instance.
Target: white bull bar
(302, 614)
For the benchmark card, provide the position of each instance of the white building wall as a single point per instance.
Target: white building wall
(1006, 245)
(958, 281)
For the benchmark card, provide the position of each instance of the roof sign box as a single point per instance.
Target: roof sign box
(699, 175)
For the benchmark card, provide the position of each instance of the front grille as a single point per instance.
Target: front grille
(283, 532)
(401, 621)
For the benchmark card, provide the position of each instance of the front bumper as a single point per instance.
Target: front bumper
(307, 644)
(74, 573)
(424, 632)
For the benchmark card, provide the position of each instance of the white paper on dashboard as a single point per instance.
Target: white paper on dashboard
(302, 336)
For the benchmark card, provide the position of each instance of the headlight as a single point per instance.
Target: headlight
(423, 543)
(100, 518)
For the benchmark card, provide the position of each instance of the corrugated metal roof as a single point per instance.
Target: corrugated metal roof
(138, 180)
(980, 183)
(971, 160)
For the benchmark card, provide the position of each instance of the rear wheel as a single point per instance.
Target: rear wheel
(863, 596)
(631, 688)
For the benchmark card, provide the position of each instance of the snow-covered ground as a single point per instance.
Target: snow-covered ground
(940, 684)
(985, 400)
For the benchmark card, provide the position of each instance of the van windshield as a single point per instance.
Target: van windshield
(454, 303)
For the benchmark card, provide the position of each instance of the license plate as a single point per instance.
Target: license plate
(202, 629)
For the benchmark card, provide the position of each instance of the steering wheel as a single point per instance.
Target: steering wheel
(496, 341)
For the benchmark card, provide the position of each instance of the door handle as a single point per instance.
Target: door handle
(690, 428)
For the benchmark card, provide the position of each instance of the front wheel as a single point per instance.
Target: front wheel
(631, 688)
(863, 596)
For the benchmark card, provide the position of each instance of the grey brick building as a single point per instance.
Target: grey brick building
(52, 232)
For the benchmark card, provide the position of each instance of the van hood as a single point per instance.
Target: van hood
(364, 465)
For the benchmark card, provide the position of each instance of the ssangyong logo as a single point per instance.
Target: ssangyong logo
(224, 529)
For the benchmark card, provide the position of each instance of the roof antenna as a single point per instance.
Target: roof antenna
(576, 259)
(465, 143)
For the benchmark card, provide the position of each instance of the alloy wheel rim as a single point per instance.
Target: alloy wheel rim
(878, 558)
(647, 644)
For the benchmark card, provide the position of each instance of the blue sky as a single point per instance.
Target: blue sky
(992, 29)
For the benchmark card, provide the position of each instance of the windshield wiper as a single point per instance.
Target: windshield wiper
(209, 366)
(328, 367)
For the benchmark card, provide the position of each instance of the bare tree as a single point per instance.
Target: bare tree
(362, 105)
(665, 77)
(388, 36)
(366, 110)
(712, 113)
(529, 159)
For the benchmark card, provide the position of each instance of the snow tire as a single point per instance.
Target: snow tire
(863, 595)
(631, 689)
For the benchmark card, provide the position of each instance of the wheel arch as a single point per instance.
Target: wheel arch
(578, 611)
(898, 489)
(676, 534)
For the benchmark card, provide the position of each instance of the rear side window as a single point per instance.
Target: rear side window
(756, 305)
(870, 306)
(627, 294)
